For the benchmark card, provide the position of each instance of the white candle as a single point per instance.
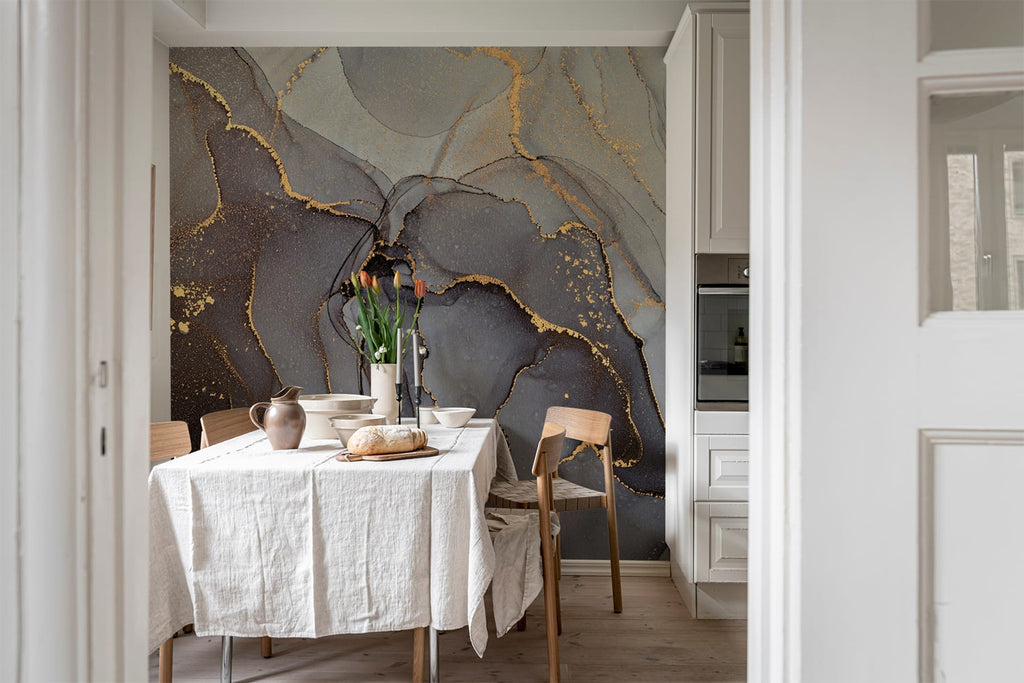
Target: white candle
(398, 355)
(415, 357)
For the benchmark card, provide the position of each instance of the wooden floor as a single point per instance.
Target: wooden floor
(654, 639)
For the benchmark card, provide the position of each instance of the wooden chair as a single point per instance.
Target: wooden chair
(168, 440)
(586, 426)
(224, 424)
(545, 468)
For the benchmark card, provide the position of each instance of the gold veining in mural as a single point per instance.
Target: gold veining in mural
(514, 95)
(285, 182)
(196, 297)
(567, 229)
(515, 380)
(225, 355)
(252, 323)
(625, 151)
(287, 90)
(543, 325)
(321, 348)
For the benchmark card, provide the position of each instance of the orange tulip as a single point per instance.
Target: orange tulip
(420, 288)
(364, 278)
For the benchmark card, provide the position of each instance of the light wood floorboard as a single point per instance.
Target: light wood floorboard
(653, 639)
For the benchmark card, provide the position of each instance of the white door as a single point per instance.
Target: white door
(887, 519)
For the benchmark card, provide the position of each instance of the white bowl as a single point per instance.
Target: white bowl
(427, 415)
(321, 407)
(454, 417)
(346, 425)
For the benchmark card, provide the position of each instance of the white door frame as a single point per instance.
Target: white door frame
(773, 625)
(76, 362)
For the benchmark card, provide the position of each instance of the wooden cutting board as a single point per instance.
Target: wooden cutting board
(424, 452)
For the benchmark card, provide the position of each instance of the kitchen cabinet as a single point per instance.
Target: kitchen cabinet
(707, 166)
(721, 101)
(721, 484)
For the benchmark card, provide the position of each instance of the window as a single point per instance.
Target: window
(977, 199)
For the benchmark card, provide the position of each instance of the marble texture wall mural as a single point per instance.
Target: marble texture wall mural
(526, 186)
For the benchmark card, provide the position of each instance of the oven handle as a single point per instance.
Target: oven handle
(722, 290)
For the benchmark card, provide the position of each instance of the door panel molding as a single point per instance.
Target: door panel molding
(956, 459)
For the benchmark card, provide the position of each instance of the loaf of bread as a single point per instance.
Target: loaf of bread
(379, 439)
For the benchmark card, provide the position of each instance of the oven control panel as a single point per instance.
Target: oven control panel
(738, 271)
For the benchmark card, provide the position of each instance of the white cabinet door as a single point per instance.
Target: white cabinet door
(723, 133)
(722, 466)
(721, 539)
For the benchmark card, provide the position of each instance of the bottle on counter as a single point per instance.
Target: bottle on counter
(739, 352)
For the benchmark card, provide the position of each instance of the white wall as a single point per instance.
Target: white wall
(160, 337)
(9, 306)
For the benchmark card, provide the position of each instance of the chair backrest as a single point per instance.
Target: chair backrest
(168, 440)
(225, 424)
(588, 426)
(549, 449)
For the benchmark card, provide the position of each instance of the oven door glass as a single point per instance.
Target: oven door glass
(722, 319)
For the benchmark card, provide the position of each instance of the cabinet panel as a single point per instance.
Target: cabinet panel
(721, 538)
(723, 127)
(722, 467)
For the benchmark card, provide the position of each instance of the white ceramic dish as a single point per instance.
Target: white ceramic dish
(427, 415)
(454, 417)
(321, 407)
(346, 425)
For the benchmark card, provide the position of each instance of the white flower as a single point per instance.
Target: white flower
(377, 355)
(423, 350)
(359, 328)
(382, 350)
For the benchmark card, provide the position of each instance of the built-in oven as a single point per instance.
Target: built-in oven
(722, 325)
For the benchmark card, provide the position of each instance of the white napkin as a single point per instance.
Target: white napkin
(518, 577)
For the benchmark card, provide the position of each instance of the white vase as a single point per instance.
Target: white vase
(382, 388)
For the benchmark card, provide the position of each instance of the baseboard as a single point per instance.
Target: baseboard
(626, 568)
(687, 590)
(721, 601)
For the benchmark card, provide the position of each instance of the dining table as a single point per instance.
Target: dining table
(249, 541)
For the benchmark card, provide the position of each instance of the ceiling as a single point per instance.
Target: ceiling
(266, 23)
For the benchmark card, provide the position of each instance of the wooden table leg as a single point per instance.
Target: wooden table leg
(166, 660)
(265, 649)
(419, 653)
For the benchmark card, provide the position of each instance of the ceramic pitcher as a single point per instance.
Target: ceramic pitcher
(283, 419)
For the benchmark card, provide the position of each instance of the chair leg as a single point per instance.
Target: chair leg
(419, 653)
(166, 658)
(552, 621)
(613, 554)
(558, 556)
(266, 650)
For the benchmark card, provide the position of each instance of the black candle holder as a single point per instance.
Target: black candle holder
(416, 407)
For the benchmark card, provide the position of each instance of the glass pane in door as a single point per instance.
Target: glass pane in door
(962, 178)
(1013, 169)
(974, 24)
(976, 254)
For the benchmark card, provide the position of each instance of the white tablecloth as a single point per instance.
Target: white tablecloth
(246, 541)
